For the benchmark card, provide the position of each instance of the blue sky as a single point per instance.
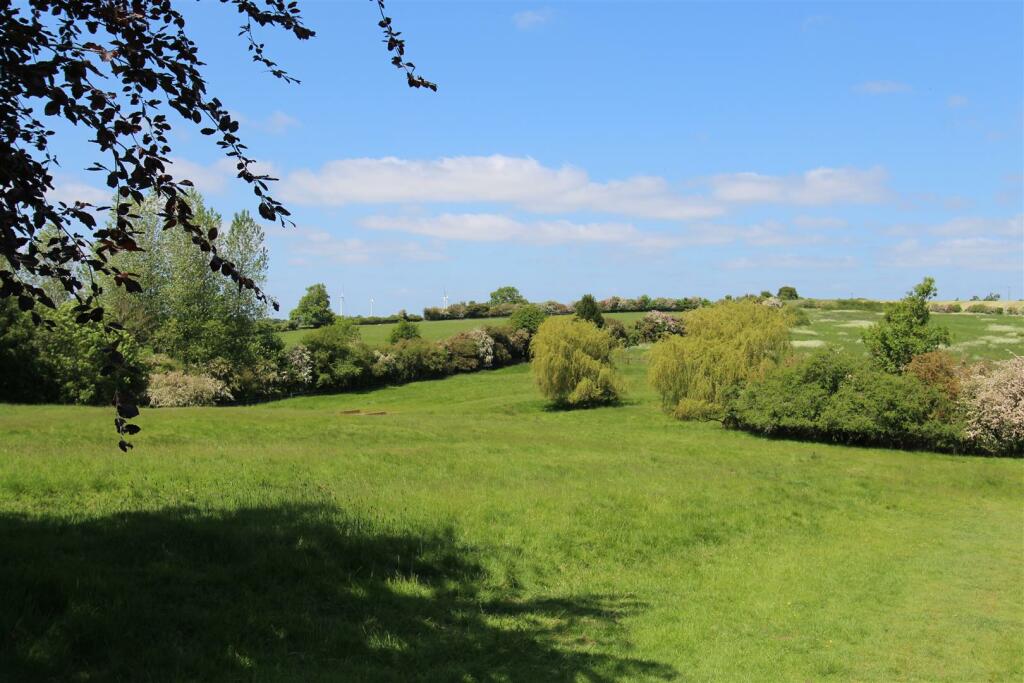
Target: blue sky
(626, 148)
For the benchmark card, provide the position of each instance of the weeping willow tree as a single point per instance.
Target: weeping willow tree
(572, 363)
(725, 345)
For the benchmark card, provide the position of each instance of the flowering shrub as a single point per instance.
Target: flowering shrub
(656, 325)
(470, 350)
(176, 389)
(299, 366)
(993, 399)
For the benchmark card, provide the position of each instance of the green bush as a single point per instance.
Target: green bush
(410, 360)
(835, 396)
(978, 308)
(339, 359)
(903, 332)
(64, 362)
(588, 309)
(572, 363)
(618, 332)
(404, 330)
(528, 317)
(788, 293)
(725, 345)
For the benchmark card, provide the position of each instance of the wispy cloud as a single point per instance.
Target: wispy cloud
(528, 185)
(528, 19)
(790, 262)
(518, 181)
(881, 87)
(71, 191)
(957, 101)
(310, 245)
(213, 178)
(486, 227)
(972, 253)
(816, 187)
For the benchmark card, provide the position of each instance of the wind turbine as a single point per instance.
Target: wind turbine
(371, 306)
(341, 306)
(446, 299)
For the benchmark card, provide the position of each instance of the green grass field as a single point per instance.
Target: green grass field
(460, 530)
(974, 337)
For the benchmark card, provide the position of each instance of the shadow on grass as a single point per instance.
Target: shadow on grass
(285, 593)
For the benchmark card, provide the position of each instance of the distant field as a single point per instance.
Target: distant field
(986, 304)
(435, 330)
(460, 530)
(975, 336)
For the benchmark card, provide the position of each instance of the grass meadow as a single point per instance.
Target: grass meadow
(461, 530)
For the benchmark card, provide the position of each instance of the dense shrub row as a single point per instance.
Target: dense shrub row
(473, 309)
(835, 396)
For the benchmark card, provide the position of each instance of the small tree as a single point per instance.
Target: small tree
(528, 317)
(587, 309)
(314, 309)
(903, 332)
(507, 295)
(404, 330)
(572, 363)
(788, 293)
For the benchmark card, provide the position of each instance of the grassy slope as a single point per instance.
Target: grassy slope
(471, 534)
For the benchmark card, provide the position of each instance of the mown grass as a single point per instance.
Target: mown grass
(974, 336)
(471, 533)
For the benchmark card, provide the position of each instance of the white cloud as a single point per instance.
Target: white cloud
(71, 191)
(957, 101)
(816, 187)
(520, 181)
(529, 185)
(881, 87)
(485, 227)
(278, 122)
(213, 178)
(528, 19)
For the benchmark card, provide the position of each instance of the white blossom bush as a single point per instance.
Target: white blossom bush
(484, 346)
(299, 365)
(176, 389)
(993, 401)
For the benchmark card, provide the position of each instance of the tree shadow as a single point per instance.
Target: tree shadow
(283, 593)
